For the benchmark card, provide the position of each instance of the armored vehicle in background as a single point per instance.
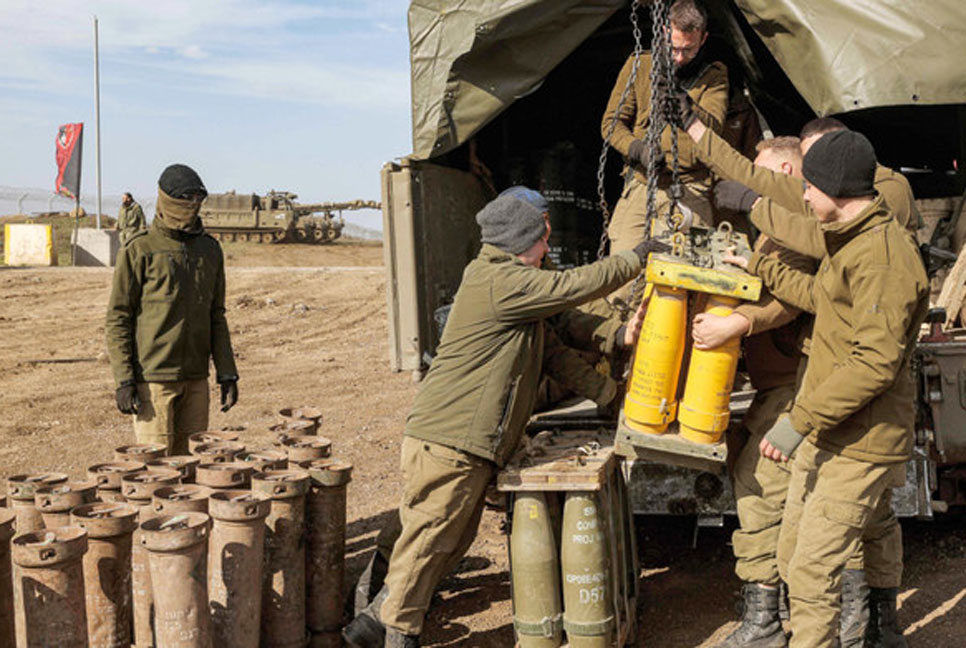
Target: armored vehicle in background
(275, 217)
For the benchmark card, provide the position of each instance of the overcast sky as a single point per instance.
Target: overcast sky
(309, 96)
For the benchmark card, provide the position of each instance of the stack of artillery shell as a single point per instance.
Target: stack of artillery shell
(325, 508)
(283, 579)
(230, 475)
(220, 452)
(178, 555)
(21, 492)
(186, 498)
(108, 477)
(262, 460)
(138, 489)
(7, 518)
(200, 438)
(300, 450)
(107, 571)
(56, 502)
(235, 551)
(48, 588)
(185, 464)
(141, 452)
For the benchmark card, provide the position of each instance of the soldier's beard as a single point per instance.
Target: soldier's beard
(177, 213)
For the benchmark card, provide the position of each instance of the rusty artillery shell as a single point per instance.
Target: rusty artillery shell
(325, 528)
(107, 571)
(48, 588)
(186, 498)
(235, 551)
(21, 491)
(185, 464)
(293, 428)
(7, 518)
(142, 452)
(55, 502)
(108, 477)
(139, 488)
(264, 459)
(306, 448)
(283, 578)
(220, 452)
(200, 438)
(177, 548)
(230, 475)
(304, 413)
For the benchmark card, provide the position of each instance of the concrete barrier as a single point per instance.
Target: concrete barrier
(96, 247)
(29, 245)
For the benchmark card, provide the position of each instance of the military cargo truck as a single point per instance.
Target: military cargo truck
(503, 95)
(275, 217)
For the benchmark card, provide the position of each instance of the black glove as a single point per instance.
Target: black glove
(229, 393)
(648, 246)
(734, 195)
(127, 398)
(636, 152)
(685, 115)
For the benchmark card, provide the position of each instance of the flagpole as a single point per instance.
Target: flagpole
(97, 124)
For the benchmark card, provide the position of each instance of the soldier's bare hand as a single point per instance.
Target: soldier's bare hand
(710, 331)
(730, 257)
(771, 452)
(632, 330)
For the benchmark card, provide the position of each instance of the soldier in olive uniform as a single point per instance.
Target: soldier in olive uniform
(130, 218)
(706, 83)
(855, 409)
(166, 319)
(471, 411)
(784, 216)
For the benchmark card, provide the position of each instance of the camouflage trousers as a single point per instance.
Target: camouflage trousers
(170, 412)
(834, 504)
(443, 497)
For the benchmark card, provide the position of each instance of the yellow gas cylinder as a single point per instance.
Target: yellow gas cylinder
(651, 401)
(704, 411)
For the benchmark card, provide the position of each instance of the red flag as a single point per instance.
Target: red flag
(70, 138)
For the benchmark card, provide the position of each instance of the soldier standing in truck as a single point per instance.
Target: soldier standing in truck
(706, 82)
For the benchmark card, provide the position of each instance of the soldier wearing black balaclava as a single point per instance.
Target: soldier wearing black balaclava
(166, 319)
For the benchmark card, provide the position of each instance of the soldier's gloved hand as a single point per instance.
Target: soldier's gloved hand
(637, 152)
(648, 246)
(229, 393)
(734, 195)
(686, 115)
(127, 398)
(781, 441)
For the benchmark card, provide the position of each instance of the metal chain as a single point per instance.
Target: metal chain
(601, 198)
(661, 107)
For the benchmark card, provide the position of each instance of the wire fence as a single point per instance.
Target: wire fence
(34, 202)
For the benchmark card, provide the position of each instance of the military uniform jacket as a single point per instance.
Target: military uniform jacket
(166, 315)
(709, 92)
(130, 220)
(869, 295)
(482, 385)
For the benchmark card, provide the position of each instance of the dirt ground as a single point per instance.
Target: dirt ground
(309, 328)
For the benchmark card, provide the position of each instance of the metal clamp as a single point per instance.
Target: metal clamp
(546, 627)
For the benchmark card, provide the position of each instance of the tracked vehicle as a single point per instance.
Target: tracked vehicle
(275, 217)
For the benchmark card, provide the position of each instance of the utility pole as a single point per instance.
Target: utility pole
(97, 124)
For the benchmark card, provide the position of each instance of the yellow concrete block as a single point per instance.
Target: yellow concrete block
(29, 245)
